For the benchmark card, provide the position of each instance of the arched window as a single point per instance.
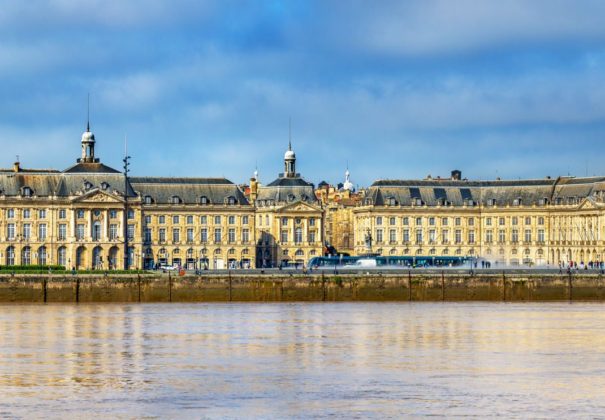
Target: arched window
(148, 199)
(10, 255)
(42, 255)
(175, 199)
(26, 256)
(27, 192)
(62, 254)
(204, 200)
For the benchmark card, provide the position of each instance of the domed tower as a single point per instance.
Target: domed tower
(88, 146)
(348, 185)
(290, 162)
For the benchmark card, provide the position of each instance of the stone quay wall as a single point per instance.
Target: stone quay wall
(300, 287)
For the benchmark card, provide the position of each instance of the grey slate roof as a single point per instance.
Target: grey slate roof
(188, 190)
(286, 190)
(457, 193)
(90, 168)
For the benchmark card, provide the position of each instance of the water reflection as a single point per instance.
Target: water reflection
(301, 360)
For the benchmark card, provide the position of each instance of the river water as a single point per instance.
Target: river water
(300, 360)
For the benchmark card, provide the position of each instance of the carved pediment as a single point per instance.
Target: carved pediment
(97, 196)
(300, 207)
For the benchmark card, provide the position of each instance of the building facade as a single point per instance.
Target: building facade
(530, 222)
(81, 216)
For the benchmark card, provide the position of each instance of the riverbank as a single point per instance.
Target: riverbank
(301, 287)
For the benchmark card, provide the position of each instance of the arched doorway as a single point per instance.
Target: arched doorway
(42, 255)
(97, 258)
(26, 256)
(113, 257)
(10, 255)
(81, 258)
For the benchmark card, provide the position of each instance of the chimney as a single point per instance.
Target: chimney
(456, 175)
(253, 189)
(17, 167)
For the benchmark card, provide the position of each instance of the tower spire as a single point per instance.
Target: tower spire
(88, 113)
(290, 133)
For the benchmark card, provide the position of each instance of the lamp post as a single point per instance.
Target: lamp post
(126, 161)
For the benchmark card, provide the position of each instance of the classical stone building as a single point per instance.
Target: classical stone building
(289, 218)
(79, 218)
(534, 222)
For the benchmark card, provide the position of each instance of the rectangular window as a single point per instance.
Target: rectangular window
(419, 221)
(190, 235)
(189, 220)
(10, 213)
(514, 221)
(515, 235)
(431, 221)
(217, 235)
(113, 214)
(231, 235)
(175, 220)
(10, 231)
(203, 220)
(379, 237)
(489, 236)
(298, 236)
(42, 214)
(147, 220)
(392, 221)
(501, 221)
(130, 214)
(130, 232)
(488, 221)
(27, 214)
(231, 220)
(528, 220)
(245, 235)
(406, 221)
(113, 232)
(79, 231)
(147, 234)
(312, 236)
(527, 235)
(311, 222)
(432, 236)
(204, 235)
(471, 237)
(176, 234)
(445, 236)
(379, 221)
(540, 235)
(471, 221)
(26, 231)
(444, 221)
(244, 220)
(217, 220)
(457, 221)
(392, 236)
(62, 232)
(419, 236)
(284, 236)
(162, 235)
(501, 236)
(541, 221)
(458, 236)
(161, 220)
(42, 232)
(406, 235)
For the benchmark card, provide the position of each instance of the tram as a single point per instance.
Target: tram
(370, 261)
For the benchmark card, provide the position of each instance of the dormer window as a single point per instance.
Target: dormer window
(559, 201)
(175, 199)
(231, 200)
(104, 186)
(391, 201)
(304, 197)
(491, 201)
(517, 202)
(87, 185)
(204, 200)
(27, 192)
(368, 201)
(418, 201)
(147, 199)
(291, 197)
(543, 201)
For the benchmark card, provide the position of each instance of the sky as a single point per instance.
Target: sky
(391, 89)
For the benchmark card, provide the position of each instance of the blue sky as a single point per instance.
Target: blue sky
(398, 89)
